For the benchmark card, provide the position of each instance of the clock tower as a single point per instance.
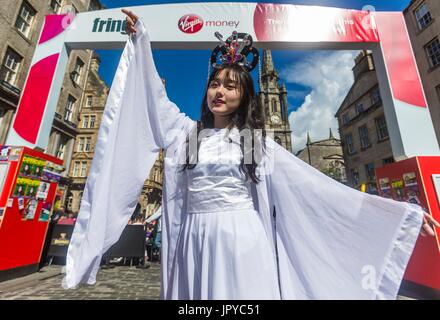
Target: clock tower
(273, 97)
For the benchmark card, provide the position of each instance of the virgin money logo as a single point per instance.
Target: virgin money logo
(190, 23)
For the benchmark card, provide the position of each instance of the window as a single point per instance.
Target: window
(375, 96)
(88, 144)
(76, 168)
(70, 201)
(61, 150)
(70, 107)
(25, 19)
(89, 101)
(363, 135)
(345, 118)
(369, 170)
(349, 142)
(381, 127)
(388, 160)
(77, 72)
(283, 111)
(359, 108)
(92, 121)
(80, 145)
(423, 16)
(56, 6)
(11, 66)
(86, 122)
(274, 106)
(433, 51)
(83, 169)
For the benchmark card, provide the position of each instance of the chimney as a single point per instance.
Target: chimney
(364, 63)
(96, 62)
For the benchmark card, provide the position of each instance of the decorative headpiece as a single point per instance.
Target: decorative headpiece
(234, 51)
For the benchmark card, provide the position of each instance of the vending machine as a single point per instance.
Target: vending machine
(28, 187)
(417, 180)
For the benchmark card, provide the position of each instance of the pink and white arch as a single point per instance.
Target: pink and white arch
(277, 26)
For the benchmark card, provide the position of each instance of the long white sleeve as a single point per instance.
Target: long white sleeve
(138, 120)
(335, 242)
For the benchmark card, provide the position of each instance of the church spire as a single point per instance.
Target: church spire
(268, 66)
(331, 134)
(309, 141)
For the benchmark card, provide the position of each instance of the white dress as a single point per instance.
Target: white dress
(223, 250)
(332, 242)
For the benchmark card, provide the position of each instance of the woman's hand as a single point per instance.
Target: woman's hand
(427, 228)
(131, 21)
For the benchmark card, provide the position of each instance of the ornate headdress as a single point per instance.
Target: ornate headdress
(234, 51)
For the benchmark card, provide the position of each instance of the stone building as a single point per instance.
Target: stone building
(21, 25)
(326, 156)
(273, 97)
(151, 196)
(423, 22)
(362, 126)
(91, 111)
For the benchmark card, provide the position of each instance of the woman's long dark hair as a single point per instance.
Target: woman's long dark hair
(249, 115)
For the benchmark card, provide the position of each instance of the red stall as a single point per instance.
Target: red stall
(417, 180)
(28, 187)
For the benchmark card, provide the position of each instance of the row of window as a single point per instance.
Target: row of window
(424, 18)
(26, 16)
(13, 61)
(156, 175)
(359, 107)
(80, 169)
(24, 23)
(364, 136)
(88, 121)
(84, 144)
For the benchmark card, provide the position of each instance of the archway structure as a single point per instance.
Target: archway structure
(275, 26)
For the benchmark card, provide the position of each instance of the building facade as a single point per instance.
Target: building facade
(151, 196)
(423, 21)
(91, 111)
(362, 126)
(21, 26)
(96, 93)
(326, 156)
(273, 97)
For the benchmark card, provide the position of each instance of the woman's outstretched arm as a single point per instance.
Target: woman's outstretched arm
(166, 119)
(138, 121)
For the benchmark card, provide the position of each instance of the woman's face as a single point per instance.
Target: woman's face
(223, 94)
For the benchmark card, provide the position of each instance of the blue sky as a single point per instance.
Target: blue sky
(307, 98)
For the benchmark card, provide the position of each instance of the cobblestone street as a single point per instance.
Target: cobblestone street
(119, 283)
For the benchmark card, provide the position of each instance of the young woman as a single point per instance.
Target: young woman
(242, 218)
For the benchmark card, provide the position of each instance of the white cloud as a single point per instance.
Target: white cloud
(330, 76)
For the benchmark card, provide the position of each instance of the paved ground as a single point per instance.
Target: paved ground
(119, 283)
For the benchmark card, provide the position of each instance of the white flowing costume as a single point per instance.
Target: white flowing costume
(220, 239)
